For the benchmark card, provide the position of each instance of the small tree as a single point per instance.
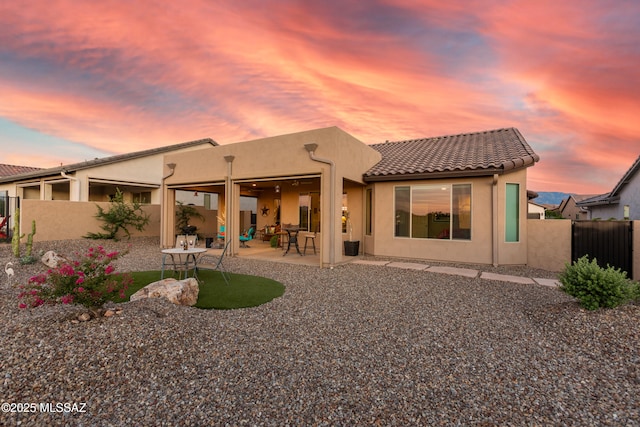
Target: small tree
(184, 213)
(120, 216)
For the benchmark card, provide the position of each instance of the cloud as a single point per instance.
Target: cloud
(121, 77)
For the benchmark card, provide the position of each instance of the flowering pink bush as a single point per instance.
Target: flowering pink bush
(89, 281)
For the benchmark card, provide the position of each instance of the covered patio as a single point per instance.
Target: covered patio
(311, 180)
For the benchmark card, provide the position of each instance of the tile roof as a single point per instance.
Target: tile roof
(8, 170)
(479, 153)
(107, 160)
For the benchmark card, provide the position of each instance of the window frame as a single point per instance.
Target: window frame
(407, 228)
(512, 213)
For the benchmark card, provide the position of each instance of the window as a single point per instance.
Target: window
(368, 213)
(512, 215)
(345, 213)
(433, 211)
(304, 201)
(143, 197)
(309, 208)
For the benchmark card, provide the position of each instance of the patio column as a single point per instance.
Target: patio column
(229, 205)
(311, 148)
(166, 211)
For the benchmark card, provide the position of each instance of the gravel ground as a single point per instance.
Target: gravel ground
(356, 345)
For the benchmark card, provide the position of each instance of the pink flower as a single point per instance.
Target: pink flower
(109, 269)
(22, 305)
(66, 299)
(112, 254)
(80, 280)
(80, 289)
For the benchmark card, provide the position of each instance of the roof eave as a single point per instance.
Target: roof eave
(608, 201)
(434, 175)
(104, 161)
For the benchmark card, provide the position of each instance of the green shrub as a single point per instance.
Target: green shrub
(90, 280)
(120, 216)
(596, 287)
(273, 242)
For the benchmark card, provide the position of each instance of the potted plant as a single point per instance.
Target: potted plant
(184, 213)
(351, 247)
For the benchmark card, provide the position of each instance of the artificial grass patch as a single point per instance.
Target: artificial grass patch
(243, 290)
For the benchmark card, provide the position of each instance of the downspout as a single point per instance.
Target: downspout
(77, 181)
(165, 209)
(494, 219)
(311, 148)
(228, 205)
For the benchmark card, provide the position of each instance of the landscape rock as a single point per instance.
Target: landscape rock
(180, 292)
(52, 260)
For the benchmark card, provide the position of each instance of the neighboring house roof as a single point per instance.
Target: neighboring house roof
(576, 199)
(106, 160)
(613, 197)
(477, 154)
(8, 170)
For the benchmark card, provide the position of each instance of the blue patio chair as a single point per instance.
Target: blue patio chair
(244, 238)
(221, 232)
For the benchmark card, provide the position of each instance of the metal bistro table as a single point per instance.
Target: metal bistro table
(188, 259)
(292, 232)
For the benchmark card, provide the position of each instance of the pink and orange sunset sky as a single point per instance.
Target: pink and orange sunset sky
(80, 80)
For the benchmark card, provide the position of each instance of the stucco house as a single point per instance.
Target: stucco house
(570, 207)
(41, 192)
(457, 198)
(623, 202)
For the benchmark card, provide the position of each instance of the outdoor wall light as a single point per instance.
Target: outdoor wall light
(277, 188)
(171, 166)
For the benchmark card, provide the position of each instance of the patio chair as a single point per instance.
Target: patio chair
(221, 232)
(3, 224)
(310, 237)
(215, 263)
(245, 237)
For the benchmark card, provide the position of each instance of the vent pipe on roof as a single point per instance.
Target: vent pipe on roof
(311, 149)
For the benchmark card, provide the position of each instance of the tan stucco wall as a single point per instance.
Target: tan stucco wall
(285, 156)
(61, 220)
(477, 250)
(549, 244)
(143, 170)
(512, 252)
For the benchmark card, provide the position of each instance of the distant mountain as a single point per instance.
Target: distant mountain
(550, 197)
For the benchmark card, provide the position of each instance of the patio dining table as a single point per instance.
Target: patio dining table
(187, 259)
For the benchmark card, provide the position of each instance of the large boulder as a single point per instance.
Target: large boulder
(181, 292)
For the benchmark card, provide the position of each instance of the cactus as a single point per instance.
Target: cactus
(30, 238)
(15, 240)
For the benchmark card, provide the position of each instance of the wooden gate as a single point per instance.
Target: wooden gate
(609, 242)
